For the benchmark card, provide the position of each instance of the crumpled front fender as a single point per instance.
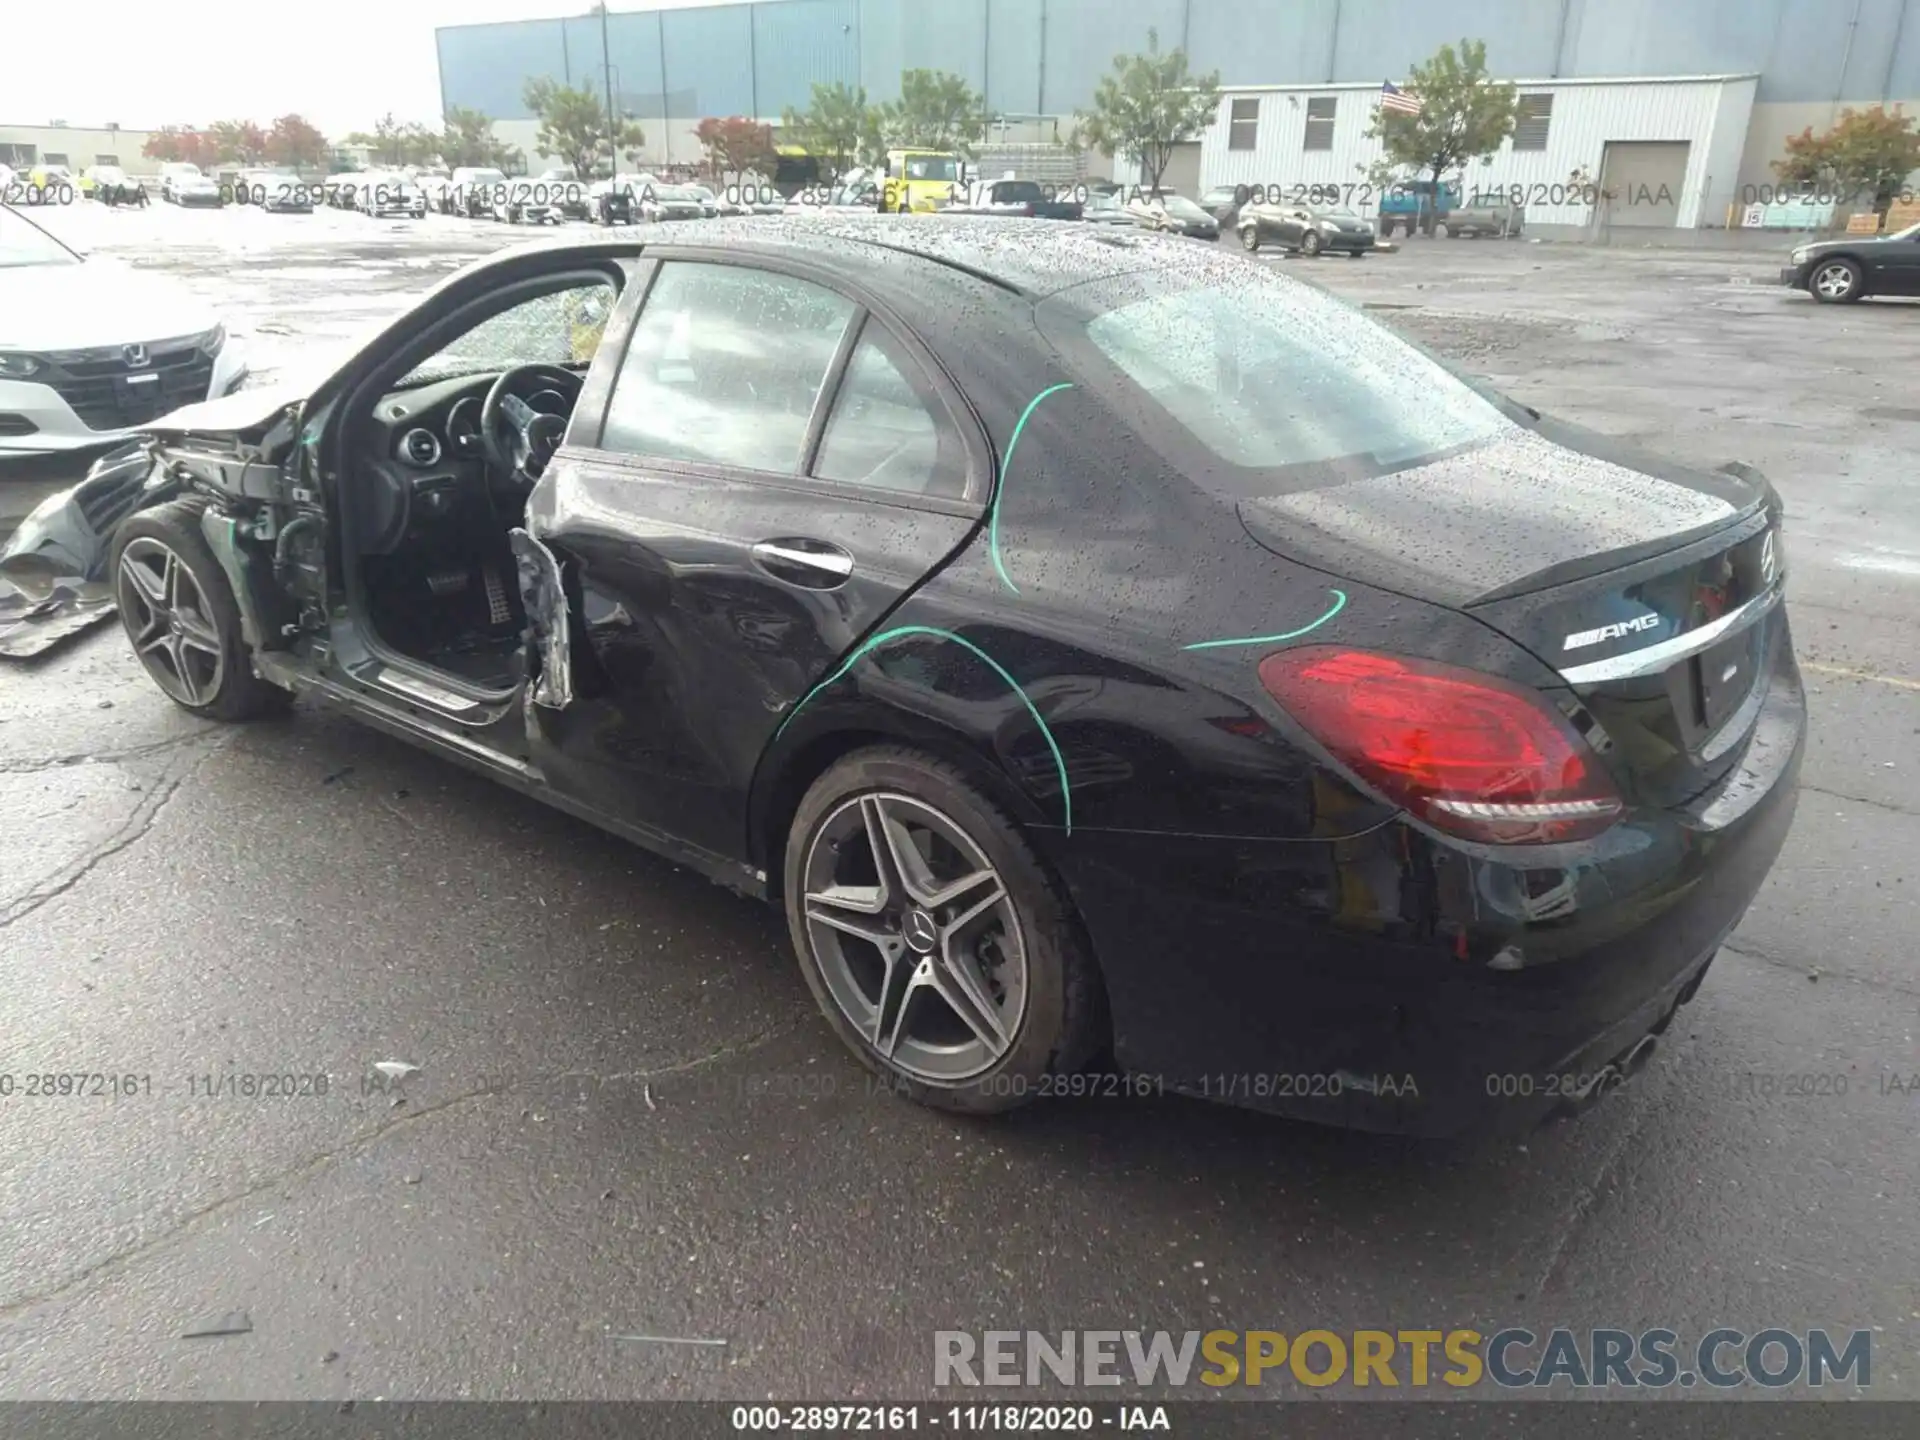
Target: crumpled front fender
(53, 570)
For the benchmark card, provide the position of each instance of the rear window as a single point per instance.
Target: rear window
(1264, 383)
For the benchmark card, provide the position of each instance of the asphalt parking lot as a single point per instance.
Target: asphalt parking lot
(628, 1120)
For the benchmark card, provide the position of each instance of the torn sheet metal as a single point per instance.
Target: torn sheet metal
(545, 598)
(32, 623)
(53, 570)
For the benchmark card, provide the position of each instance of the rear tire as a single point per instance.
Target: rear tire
(1250, 239)
(181, 618)
(1018, 965)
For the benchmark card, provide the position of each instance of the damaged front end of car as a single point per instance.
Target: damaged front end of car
(53, 570)
(239, 453)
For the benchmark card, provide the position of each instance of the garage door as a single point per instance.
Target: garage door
(1183, 171)
(1644, 179)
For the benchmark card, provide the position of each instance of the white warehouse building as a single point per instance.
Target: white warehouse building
(1663, 152)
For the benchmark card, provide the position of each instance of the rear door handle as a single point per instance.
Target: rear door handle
(812, 563)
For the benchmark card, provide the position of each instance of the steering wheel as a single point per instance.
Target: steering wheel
(518, 439)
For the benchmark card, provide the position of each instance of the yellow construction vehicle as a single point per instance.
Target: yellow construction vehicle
(921, 180)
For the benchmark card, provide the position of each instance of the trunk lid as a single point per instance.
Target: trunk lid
(1652, 590)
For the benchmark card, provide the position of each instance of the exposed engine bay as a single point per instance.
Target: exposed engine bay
(440, 476)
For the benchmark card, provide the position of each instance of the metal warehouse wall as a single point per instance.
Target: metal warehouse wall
(1710, 115)
(1044, 56)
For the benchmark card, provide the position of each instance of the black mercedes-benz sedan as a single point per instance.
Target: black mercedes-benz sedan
(1101, 647)
(1853, 267)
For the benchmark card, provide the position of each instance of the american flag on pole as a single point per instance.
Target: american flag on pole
(1392, 97)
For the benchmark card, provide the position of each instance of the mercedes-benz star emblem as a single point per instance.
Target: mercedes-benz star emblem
(134, 355)
(921, 931)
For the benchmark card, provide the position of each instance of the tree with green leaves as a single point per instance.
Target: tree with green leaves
(1463, 116)
(392, 143)
(838, 128)
(1866, 152)
(1151, 103)
(936, 110)
(467, 138)
(575, 126)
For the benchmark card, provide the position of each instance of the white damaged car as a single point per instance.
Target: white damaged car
(90, 349)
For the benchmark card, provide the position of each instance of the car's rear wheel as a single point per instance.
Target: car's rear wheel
(1836, 282)
(937, 945)
(1250, 238)
(179, 613)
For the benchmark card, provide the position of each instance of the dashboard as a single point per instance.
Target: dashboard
(429, 426)
(425, 461)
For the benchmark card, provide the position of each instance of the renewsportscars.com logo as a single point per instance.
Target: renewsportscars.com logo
(1392, 1359)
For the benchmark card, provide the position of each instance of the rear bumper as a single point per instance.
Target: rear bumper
(1400, 983)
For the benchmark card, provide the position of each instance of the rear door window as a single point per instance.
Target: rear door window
(886, 429)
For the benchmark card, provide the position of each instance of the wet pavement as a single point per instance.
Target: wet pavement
(627, 1120)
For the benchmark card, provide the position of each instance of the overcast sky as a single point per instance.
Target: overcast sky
(340, 63)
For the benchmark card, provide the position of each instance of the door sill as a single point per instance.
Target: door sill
(425, 691)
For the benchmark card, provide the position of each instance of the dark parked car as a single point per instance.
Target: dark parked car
(1174, 215)
(1210, 677)
(613, 203)
(1856, 266)
(1305, 229)
(1224, 203)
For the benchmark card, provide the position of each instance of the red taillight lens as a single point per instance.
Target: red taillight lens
(1468, 753)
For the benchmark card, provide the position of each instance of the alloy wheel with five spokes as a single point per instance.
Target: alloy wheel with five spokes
(915, 937)
(1836, 280)
(169, 621)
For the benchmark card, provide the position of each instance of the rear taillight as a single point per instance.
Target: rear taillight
(1470, 754)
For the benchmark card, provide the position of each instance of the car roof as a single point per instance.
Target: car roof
(1034, 258)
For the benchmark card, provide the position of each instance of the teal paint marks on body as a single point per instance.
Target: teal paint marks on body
(1000, 490)
(1059, 761)
(1339, 604)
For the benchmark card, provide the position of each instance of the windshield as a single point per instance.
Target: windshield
(485, 177)
(24, 243)
(932, 167)
(1912, 232)
(1108, 201)
(1185, 209)
(1016, 192)
(109, 173)
(1265, 382)
(562, 328)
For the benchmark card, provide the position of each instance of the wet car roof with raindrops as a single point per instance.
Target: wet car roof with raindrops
(1034, 257)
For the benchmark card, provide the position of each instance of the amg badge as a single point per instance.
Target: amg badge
(1582, 638)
